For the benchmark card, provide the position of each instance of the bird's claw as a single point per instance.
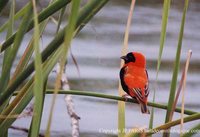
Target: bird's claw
(126, 97)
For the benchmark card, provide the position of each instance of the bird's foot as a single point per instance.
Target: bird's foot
(126, 97)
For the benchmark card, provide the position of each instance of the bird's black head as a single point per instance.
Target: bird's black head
(128, 58)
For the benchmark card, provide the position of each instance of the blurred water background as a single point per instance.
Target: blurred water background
(97, 50)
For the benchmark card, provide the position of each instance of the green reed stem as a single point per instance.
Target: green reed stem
(112, 97)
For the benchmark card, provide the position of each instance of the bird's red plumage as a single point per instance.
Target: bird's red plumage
(135, 77)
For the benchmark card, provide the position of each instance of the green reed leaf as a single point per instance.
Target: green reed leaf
(19, 14)
(176, 65)
(38, 87)
(26, 93)
(7, 52)
(117, 98)
(69, 33)
(17, 42)
(84, 16)
(165, 14)
(50, 10)
(174, 123)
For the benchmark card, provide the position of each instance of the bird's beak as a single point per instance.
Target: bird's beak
(123, 57)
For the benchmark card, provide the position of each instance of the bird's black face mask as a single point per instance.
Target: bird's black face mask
(128, 58)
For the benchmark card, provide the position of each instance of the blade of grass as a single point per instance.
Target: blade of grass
(22, 64)
(61, 15)
(54, 8)
(121, 105)
(27, 54)
(21, 32)
(84, 16)
(28, 92)
(39, 119)
(7, 122)
(165, 14)
(69, 33)
(136, 132)
(38, 87)
(7, 52)
(11, 19)
(19, 14)
(16, 100)
(177, 94)
(176, 66)
(112, 97)
(75, 62)
(9, 33)
(50, 10)
(104, 96)
(174, 123)
(58, 23)
(183, 92)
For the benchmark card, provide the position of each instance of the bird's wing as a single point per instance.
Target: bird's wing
(138, 87)
(138, 94)
(146, 88)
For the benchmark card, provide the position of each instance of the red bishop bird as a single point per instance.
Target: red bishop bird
(134, 78)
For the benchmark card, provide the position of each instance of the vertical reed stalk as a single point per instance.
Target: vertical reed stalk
(165, 14)
(69, 33)
(121, 105)
(176, 67)
(183, 92)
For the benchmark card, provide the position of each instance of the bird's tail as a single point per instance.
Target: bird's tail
(144, 108)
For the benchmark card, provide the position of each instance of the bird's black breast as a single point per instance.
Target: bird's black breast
(121, 74)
